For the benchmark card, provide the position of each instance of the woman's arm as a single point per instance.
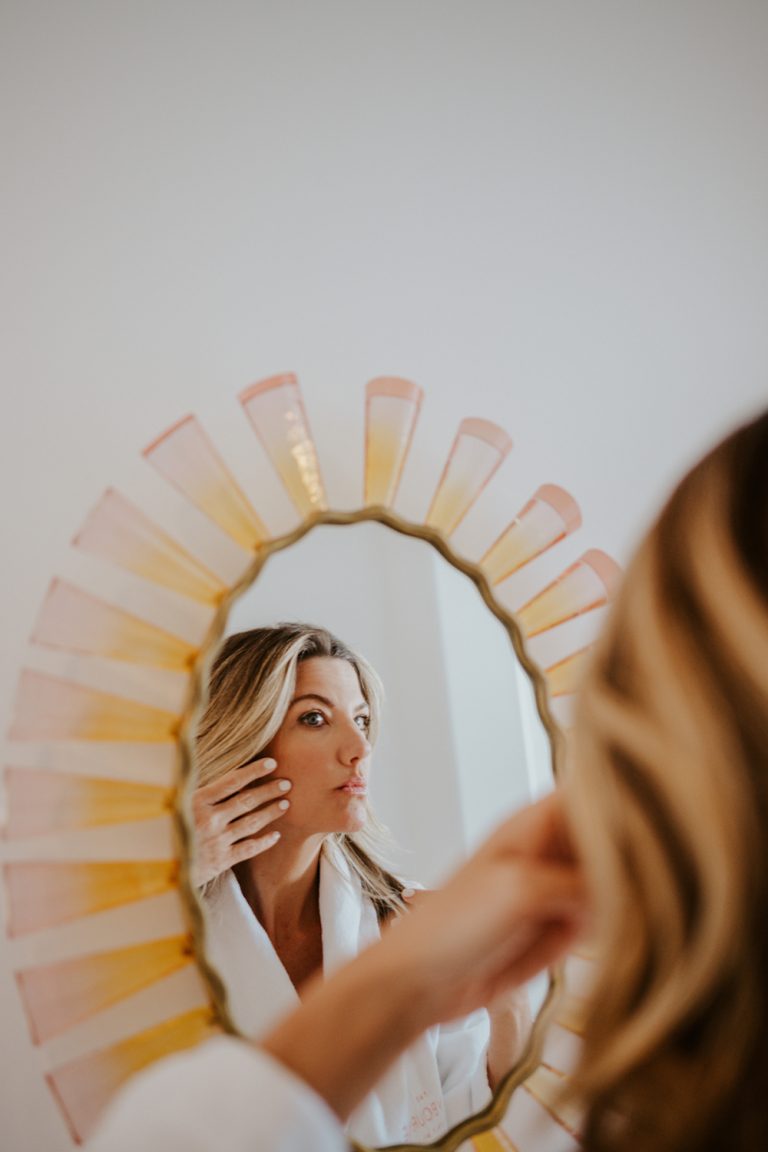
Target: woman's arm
(511, 910)
(509, 1015)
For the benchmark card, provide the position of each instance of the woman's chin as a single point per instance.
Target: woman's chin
(355, 818)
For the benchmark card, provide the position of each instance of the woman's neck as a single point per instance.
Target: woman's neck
(282, 888)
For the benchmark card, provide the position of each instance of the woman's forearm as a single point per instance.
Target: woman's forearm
(509, 912)
(511, 1023)
(349, 1029)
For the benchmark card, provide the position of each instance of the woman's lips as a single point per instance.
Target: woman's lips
(354, 788)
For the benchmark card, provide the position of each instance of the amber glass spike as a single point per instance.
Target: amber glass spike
(476, 453)
(391, 411)
(549, 516)
(186, 457)
(44, 893)
(565, 677)
(41, 802)
(276, 411)
(58, 996)
(49, 708)
(79, 622)
(589, 583)
(119, 532)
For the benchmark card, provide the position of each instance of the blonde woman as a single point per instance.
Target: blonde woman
(666, 804)
(287, 850)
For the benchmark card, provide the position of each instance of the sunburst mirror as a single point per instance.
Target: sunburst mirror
(114, 950)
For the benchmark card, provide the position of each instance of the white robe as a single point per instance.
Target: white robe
(438, 1081)
(222, 1096)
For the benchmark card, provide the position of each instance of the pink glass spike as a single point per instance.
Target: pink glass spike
(117, 531)
(589, 583)
(79, 622)
(41, 894)
(186, 457)
(392, 408)
(565, 677)
(476, 453)
(276, 411)
(549, 516)
(48, 708)
(84, 1087)
(58, 996)
(39, 801)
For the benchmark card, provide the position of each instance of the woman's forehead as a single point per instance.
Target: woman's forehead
(328, 676)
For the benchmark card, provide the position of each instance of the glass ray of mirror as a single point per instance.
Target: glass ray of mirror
(461, 742)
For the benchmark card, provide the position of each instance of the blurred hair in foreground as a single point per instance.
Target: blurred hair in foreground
(668, 795)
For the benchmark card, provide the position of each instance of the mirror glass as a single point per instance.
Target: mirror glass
(461, 745)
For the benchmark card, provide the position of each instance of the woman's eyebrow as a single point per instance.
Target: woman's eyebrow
(313, 696)
(324, 700)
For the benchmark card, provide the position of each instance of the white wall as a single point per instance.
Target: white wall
(550, 214)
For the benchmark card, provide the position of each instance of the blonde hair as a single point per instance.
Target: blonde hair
(668, 795)
(249, 691)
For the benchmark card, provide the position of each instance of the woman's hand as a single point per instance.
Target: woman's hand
(510, 911)
(231, 816)
(504, 915)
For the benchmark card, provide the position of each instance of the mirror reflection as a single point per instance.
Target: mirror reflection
(343, 768)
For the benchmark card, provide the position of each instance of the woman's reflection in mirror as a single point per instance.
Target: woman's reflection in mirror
(289, 855)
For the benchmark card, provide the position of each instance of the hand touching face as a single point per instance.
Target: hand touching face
(321, 755)
(234, 817)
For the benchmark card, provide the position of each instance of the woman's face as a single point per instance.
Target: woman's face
(322, 748)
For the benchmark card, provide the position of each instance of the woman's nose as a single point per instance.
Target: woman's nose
(355, 745)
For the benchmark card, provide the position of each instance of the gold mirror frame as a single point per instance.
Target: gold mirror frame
(492, 1114)
(56, 890)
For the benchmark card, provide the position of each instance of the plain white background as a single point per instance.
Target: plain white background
(549, 214)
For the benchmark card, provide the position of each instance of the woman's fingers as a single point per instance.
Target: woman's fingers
(214, 857)
(231, 813)
(216, 852)
(236, 779)
(252, 824)
(241, 804)
(247, 849)
(540, 830)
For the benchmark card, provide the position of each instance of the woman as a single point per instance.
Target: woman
(667, 804)
(287, 850)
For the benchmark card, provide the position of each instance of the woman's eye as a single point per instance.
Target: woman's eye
(363, 723)
(312, 719)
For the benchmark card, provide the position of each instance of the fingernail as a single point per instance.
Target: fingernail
(284, 785)
(275, 836)
(284, 804)
(269, 764)
(406, 893)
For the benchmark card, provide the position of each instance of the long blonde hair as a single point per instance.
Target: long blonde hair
(668, 794)
(249, 691)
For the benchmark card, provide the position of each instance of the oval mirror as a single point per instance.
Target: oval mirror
(460, 745)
